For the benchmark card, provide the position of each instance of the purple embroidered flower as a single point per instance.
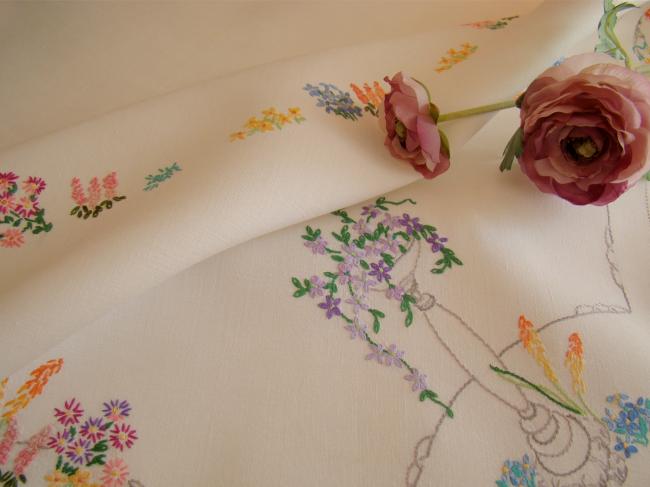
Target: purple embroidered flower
(357, 303)
(362, 283)
(93, 429)
(380, 271)
(316, 288)
(70, 413)
(79, 452)
(388, 245)
(360, 227)
(370, 211)
(357, 330)
(116, 410)
(331, 306)
(317, 246)
(372, 250)
(395, 292)
(437, 243)
(354, 255)
(411, 224)
(394, 356)
(391, 221)
(344, 273)
(376, 353)
(419, 380)
(59, 442)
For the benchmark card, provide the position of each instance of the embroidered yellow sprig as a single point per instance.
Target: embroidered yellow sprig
(32, 388)
(455, 56)
(533, 344)
(3, 385)
(271, 120)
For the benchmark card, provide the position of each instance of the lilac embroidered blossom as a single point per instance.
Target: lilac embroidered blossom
(411, 224)
(394, 356)
(357, 330)
(357, 304)
(362, 283)
(419, 380)
(59, 442)
(376, 353)
(370, 211)
(391, 221)
(93, 429)
(316, 288)
(331, 306)
(116, 410)
(395, 292)
(386, 245)
(360, 227)
(380, 271)
(318, 246)
(79, 452)
(344, 273)
(437, 243)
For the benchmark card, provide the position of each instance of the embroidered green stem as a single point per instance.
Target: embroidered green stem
(565, 396)
(588, 409)
(470, 112)
(519, 380)
(383, 201)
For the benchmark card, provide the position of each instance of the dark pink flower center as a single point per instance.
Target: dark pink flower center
(581, 150)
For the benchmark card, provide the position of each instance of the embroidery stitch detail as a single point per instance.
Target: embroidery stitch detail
(90, 204)
(334, 100)
(21, 214)
(272, 120)
(154, 180)
(371, 98)
(454, 57)
(492, 24)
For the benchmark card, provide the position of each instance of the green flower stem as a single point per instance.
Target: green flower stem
(565, 396)
(470, 112)
(619, 46)
(588, 409)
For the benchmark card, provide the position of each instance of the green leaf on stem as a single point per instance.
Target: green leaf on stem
(514, 149)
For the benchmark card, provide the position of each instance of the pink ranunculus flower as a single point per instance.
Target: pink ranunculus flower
(586, 126)
(411, 131)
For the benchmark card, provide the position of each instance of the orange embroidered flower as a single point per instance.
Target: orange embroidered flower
(270, 112)
(283, 119)
(12, 238)
(237, 136)
(647, 14)
(360, 94)
(253, 123)
(574, 361)
(3, 385)
(295, 112)
(32, 387)
(532, 342)
(266, 126)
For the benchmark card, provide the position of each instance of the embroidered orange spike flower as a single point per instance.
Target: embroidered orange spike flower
(532, 342)
(574, 361)
(360, 94)
(32, 387)
(379, 92)
(237, 136)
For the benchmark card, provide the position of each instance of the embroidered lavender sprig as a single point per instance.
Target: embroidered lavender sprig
(365, 256)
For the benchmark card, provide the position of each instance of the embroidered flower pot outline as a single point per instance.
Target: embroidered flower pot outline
(20, 211)
(91, 203)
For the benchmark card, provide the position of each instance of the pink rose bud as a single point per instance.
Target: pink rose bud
(409, 119)
(585, 126)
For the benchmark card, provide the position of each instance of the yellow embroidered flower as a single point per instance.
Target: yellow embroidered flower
(269, 112)
(57, 479)
(237, 136)
(574, 361)
(3, 384)
(266, 126)
(283, 119)
(532, 342)
(253, 123)
(82, 478)
(295, 112)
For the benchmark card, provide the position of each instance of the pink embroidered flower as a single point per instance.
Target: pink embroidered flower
(59, 442)
(26, 456)
(33, 185)
(116, 473)
(79, 452)
(110, 184)
(12, 238)
(70, 413)
(586, 129)
(116, 410)
(94, 192)
(93, 429)
(27, 207)
(78, 194)
(7, 181)
(411, 131)
(8, 440)
(7, 202)
(122, 435)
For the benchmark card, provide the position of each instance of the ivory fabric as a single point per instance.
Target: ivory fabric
(179, 300)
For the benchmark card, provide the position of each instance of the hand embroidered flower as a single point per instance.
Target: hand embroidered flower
(395, 292)
(316, 288)
(122, 435)
(7, 181)
(334, 100)
(357, 330)
(116, 410)
(93, 429)
(317, 246)
(60, 441)
(419, 380)
(79, 452)
(393, 356)
(380, 271)
(70, 413)
(376, 353)
(625, 447)
(92, 204)
(331, 306)
(370, 211)
(33, 186)
(409, 120)
(437, 242)
(12, 238)
(584, 132)
(116, 473)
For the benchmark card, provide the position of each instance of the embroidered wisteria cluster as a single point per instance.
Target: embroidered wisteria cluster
(334, 100)
(364, 252)
(87, 441)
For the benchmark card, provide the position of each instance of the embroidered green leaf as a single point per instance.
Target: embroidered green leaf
(344, 216)
(402, 249)
(514, 149)
(73, 432)
(376, 314)
(432, 396)
(97, 460)
(448, 260)
(331, 275)
(75, 210)
(119, 198)
(382, 202)
(388, 259)
(337, 258)
(404, 235)
(364, 264)
(405, 306)
(22, 478)
(301, 289)
(608, 42)
(344, 236)
(100, 446)
(59, 462)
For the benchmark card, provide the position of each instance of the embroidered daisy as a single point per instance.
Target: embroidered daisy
(7, 203)
(123, 435)
(116, 410)
(7, 181)
(27, 207)
(79, 452)
(12, 238)
(93, 429)
(33, 185)
(70, 413)
(116, 473)
(59, 442)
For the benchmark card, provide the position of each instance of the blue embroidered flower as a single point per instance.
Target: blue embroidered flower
(625, 447)
(516, 473)
(334, 100)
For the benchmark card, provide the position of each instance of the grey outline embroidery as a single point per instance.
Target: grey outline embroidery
(595, 436)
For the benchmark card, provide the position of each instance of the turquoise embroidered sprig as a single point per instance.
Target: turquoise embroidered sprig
(154, 180)
(367, 249)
